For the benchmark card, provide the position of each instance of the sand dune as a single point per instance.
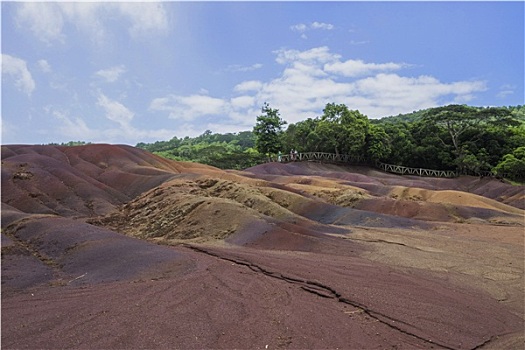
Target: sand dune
(109, 246)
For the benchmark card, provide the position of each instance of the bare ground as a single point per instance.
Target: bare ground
(111, 247)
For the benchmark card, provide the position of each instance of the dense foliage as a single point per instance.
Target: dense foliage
(269, 129)
(225, 151)
(341, 131)
(470, 140)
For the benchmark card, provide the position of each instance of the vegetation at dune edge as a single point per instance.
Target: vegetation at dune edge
(467, 139)
(225, 151)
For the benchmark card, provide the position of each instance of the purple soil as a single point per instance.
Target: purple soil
(379, 183)
(301, 283)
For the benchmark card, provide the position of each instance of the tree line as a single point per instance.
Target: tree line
(467, 139)
(226, 151)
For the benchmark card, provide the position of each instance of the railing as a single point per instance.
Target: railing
(389, 168)
(345, 158)
(321, 156)
(403, 170)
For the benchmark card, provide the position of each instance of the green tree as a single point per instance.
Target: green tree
(343, 130)
(377, 143)
(401, 142)
(513, 164)
(461, 120)
(268, 131)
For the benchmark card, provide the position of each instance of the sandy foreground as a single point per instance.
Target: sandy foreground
(110, 247)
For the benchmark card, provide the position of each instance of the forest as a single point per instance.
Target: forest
(470, 140)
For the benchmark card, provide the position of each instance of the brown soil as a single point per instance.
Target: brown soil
(112, 247)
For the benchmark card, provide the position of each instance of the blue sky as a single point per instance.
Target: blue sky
(129, 72)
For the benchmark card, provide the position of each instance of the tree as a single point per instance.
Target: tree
(343, 130)
(401, 142)
(461, 120)
(456, 119)
(513, 164)
(268, 130)
(377, 143)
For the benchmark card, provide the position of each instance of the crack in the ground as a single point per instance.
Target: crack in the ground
(383, 241)
(480, 346)
(324, 291)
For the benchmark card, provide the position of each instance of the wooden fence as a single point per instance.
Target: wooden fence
(403, 170)
(344, 158)
(389, 168)
(320, 157)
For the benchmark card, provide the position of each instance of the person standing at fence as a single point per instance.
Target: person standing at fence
(295, 153)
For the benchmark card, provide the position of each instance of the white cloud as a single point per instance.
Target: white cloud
(145, 17)
(317, 76)
(87, 17)
(44, 66)
(505, 90)
(249, 85)
(17, 69)
(111, 74)
(320, 25)
(189, 107)
(315, 56)
(354, 68)
(302, 28)
(242, 102)
(72, 128)
(115, 111)
(308, 81)
(75, 128)
(353, 42)
(239, 68)
(46, 20)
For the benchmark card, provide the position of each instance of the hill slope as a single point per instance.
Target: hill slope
(280, 255)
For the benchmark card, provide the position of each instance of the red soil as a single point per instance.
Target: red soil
(297, 255)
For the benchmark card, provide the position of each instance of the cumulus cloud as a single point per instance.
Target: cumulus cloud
(16, 68)
(317, 76)
(189, 107)
(302, 28)
(320, 25)
(115, 111)
(317, 55)
(312, 78)
(242, 102)
(111, 74)
(195, 113)
(354, 68)
(249, 85)
(47, 19)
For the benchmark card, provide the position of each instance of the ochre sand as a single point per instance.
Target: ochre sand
(112, 247)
